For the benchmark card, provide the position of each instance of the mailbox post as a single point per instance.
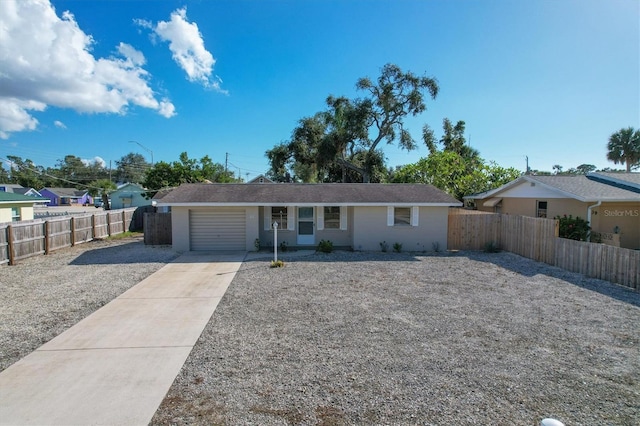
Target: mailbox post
(275, 242)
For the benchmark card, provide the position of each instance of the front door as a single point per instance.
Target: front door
(306, 235)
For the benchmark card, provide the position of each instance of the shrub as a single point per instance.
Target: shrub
(384, 246)
(277, 263)
(325, 246)
(397, 247)
(573, 228)
(283, 246)
(256, 243)
(491, 247)
(435, 246)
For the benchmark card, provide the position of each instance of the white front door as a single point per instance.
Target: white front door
(306, 230)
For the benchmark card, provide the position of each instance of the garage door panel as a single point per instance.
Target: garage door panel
(217, 229)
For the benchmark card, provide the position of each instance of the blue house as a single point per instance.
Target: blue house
(129, 195)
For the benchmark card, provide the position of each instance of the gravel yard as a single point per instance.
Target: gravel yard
(365, 338)
(386, 338)
(42, 296)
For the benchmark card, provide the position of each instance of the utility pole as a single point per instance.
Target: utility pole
(226, 162)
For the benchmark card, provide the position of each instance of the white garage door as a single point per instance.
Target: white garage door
(220, 229)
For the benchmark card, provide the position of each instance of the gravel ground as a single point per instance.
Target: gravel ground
(365, 338)
(385, 338)
(42, 296)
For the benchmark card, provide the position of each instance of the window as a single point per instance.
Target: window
(15, 214)
(402, 216)
(542, 209)
(332, 217)
(279, 214)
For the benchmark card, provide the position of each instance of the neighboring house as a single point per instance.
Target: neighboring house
(16, 207)
(358, 216)
(610, 202)
(128, 195)
(66, 196)
(261, 179)
(19, 189)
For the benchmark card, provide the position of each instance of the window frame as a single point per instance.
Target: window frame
(542, 212)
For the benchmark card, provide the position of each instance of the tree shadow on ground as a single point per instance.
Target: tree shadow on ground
(531, 268)
(129, 253)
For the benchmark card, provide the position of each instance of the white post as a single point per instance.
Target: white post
(275, 242)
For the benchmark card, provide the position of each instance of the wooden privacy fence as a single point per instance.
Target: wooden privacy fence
(527, 236)
(157, 228)
(610, 263)
(20, 240)
(537, 239)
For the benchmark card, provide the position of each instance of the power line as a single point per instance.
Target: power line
(50, 176)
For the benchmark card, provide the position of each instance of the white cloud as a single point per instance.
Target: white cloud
(14, 116)
(59, 124)
(94, 160)
(47, 60)
(187, 47)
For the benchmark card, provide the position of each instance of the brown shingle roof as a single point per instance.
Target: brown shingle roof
(299, 193)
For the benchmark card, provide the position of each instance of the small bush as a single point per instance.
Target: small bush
(325, 246)
(397, 247)
(491, 247)
(573, 228)
(384, 246)
(435, 246)
(256, 243)
(283, 246)
(277, 264)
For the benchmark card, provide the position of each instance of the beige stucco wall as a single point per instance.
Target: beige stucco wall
(528, 207)
(604, 218)
(339, 237)
(180, 227)
(370, 229)
(26, 212)
(626, 216)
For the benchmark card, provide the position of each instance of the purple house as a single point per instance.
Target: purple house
(66, 196)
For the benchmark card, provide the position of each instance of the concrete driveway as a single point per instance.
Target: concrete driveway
(116, 365)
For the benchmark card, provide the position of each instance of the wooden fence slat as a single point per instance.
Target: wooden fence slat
(20, 240)
(537, 239)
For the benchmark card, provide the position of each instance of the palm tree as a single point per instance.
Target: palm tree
(624, 147)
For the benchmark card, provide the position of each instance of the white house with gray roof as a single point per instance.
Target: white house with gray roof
(358, 216)
(610, 202)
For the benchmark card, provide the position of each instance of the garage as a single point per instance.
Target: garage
(219, 229)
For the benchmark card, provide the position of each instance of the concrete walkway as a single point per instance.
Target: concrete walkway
(115, 366)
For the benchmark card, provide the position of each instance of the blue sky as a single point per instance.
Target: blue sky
(550, 80)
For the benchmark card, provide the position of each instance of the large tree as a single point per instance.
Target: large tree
(131, 168)
(26, 173)
(392, 98)
(452, 140)
(624, 148)
(455, 174)
(185, 170)
(343, 142)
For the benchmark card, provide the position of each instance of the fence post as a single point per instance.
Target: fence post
(108, 224)
(12, 254)
(93, 226)
(73, 231)
(124, 220)
(46, 237)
